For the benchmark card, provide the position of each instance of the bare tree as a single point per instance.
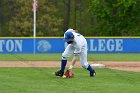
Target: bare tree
(80, 15)
(67, 14)
(75, 19)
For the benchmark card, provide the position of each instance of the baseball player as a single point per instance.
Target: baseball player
(77, 45)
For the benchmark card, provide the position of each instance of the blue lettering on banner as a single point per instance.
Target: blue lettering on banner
(105, 45)
(57, 45)
(10, 46)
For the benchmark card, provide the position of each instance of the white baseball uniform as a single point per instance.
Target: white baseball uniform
(78, 47)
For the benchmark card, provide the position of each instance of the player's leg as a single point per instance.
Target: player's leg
(66, 54)
(83, 60)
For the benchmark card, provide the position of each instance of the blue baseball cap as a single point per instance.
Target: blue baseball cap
(68, 36)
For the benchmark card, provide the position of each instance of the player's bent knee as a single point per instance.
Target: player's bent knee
(64, 58)
(85, 66)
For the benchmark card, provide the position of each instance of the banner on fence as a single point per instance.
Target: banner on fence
(57, 45)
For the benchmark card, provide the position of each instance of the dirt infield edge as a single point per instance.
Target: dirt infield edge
(126, 66)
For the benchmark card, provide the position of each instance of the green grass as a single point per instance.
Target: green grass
(57, 57)
(41, 80)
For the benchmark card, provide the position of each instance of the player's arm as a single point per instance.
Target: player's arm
(73, 61)
(75, 57)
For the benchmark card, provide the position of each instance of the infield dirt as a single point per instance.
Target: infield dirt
(126, 66)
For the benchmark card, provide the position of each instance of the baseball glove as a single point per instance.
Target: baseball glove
(68, 74)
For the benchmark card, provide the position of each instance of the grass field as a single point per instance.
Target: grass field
(57, 57)
(41, 80)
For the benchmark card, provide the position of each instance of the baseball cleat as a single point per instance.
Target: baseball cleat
(92, 74)
(59, 73)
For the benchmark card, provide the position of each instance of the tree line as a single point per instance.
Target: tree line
(54, 17)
